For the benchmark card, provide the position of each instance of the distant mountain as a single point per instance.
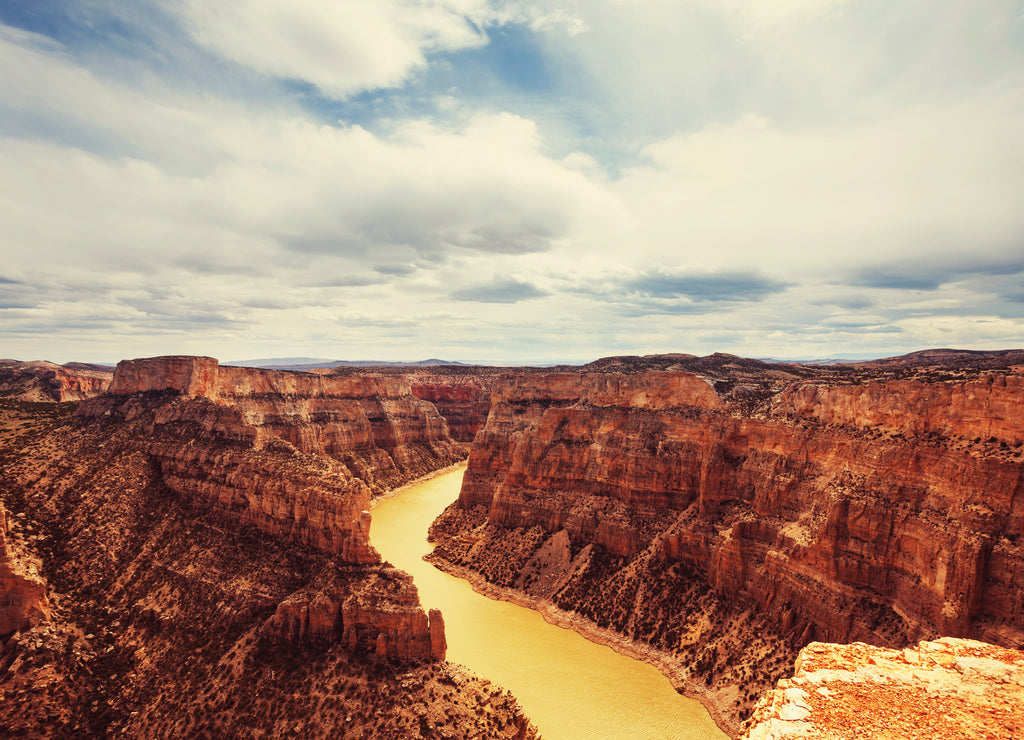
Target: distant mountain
(826, 361)
(313, 363)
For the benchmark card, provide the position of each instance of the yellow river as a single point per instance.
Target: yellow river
(571, 688)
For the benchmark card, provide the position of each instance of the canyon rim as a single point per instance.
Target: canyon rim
(186, 549)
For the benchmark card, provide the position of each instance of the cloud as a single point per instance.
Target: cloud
(500, 290)
(764, 177)
(709, 287)
(941, 270)
(341, 49)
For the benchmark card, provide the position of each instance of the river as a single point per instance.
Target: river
(571, 688)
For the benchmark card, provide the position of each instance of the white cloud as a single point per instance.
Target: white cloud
(341, 48)
(920, 184)
(789, 179)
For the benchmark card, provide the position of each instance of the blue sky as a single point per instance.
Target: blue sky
(510, 182)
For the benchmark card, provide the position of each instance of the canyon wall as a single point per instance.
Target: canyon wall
(23, 600)
(296, 456)
(461, 393)
(647, 504)
(201, 535)
(48, 382)
(463, 400)
(248, 440)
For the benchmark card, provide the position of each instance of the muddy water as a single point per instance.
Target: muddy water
(571, 688)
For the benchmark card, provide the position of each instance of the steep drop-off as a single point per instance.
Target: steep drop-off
(685, 521)
(461, 393)
(202, 540)
(48, 382)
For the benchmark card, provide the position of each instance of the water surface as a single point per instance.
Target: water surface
(571, 688)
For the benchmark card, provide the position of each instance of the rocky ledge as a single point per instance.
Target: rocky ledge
(680, 513)
(950, 688)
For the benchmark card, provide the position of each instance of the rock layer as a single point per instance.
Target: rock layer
(878, 511)
(296, 456)
(948, 688)
(247, 440)
(46, 381)
(23, 600)
(198, 585)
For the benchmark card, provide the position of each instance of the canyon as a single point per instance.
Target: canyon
(185, 545)
(188, 555)
(48, 382)
(718, 519)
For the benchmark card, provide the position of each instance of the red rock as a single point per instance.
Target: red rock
(46, 381)
(881, 511)
(948, 688)
(23, 600)
(227, 435)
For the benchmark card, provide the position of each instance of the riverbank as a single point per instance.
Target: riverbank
(388, 495)
(667, 664)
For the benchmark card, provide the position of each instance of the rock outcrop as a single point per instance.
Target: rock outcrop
(49, 382)
(947, 688)
(836, 508)
(209, 578)
(463, 400)
(378, 614)
(294, 454)
(23, 600)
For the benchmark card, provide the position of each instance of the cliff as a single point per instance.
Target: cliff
(948, 688)
(461, 393)
(296, 455)
(211, 578)
(48, 382)
(832, 507)
(463, 400)
(23, 600)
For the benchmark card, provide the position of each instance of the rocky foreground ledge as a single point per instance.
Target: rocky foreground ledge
(949, 688)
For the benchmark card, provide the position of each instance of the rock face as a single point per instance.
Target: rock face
(47, 382)
(247, 440)
(461, 393)
(463, 400)
(295, 456)
(883, 511)
(379, 615)
(948, 688)
(206, 588)
(23, 600)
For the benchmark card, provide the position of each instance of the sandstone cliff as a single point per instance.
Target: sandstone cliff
(212, 579)
(23, 600)
(463, 400)
(948, 688)
(461, 393)
(248, 440)
(48, 382)
(835, 508)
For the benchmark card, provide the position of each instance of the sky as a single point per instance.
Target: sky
(510, 182)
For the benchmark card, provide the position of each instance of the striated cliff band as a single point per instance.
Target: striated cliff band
(716, 521)
(48, 382)
(187, 556)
